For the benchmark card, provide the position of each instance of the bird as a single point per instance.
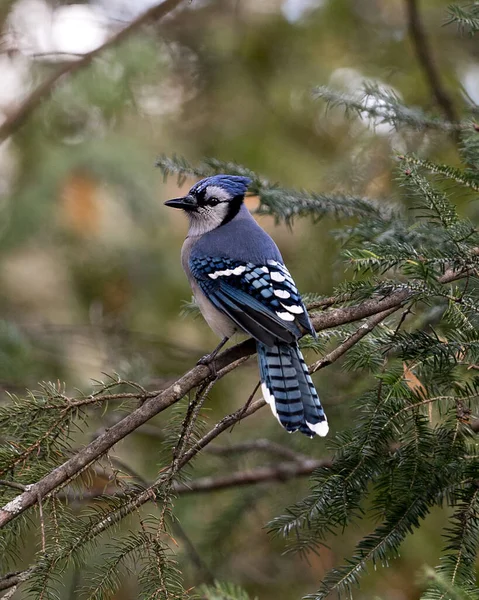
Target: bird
(241, 285)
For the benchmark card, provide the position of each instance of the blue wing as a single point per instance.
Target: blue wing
(261, 299)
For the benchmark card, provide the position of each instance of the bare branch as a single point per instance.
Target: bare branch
(13, 484)
(45, 89)
(280, 472)
(261, 445)
(426, 60)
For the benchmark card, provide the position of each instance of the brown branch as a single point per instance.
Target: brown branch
(13, 484)
(354, 338)
(426, 60)
(260, 445)
(46, 88)
(280, 472)
(196, 376)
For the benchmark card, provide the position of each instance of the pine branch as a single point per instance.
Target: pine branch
(223, 591)
(466, 17)
(452, 173)
(458, 564)
(283, 204)
(353, 339)
(383, 106)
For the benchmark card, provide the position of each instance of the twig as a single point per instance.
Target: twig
(280, 472)
(304, 464)
(261, 445)
(354, 338)
(13, 484)
(45, 89)
(425, 58)
(203, 569)
(248, 402)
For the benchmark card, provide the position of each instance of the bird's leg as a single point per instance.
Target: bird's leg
(208, 359)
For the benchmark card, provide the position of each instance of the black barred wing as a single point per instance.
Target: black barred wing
(261, 299)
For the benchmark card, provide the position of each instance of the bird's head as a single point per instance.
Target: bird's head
(212, 202)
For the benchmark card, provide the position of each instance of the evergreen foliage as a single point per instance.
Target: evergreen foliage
(466, 17)
(411, 443)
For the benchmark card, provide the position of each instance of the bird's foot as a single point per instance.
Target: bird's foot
(208, 360)
(205, 360)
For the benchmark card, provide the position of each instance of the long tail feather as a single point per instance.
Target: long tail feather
(289, 390)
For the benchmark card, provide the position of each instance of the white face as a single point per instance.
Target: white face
(213, 207)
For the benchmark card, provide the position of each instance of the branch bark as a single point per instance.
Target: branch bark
(45, 89)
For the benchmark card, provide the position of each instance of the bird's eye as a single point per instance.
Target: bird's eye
(213, 200)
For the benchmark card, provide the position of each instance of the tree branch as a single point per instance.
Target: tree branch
(354, 338)
(426, 61)
(259, 445)
(280, 472)
(224, 362)
(45, 89)
(378, 309)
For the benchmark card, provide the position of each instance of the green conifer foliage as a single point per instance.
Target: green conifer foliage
(404, 320)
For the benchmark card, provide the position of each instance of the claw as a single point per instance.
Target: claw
(209, 359)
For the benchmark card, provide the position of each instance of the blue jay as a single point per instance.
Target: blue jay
(240, 284)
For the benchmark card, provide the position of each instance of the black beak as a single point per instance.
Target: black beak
(186, 203)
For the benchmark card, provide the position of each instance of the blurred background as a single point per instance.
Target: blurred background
(90, 275)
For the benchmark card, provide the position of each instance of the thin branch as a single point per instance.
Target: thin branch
(297, 465)
(221, 426)
(196, 376)
(203, 570)
(354, 338)
(261, 445)
(13, 484)
(46, 88)
(280, 472)
(426, 60)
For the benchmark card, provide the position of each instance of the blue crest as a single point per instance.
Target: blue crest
(235, 185)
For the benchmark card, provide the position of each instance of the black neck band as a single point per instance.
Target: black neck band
(234, 206)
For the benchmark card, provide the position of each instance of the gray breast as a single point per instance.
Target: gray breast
(222, 325)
